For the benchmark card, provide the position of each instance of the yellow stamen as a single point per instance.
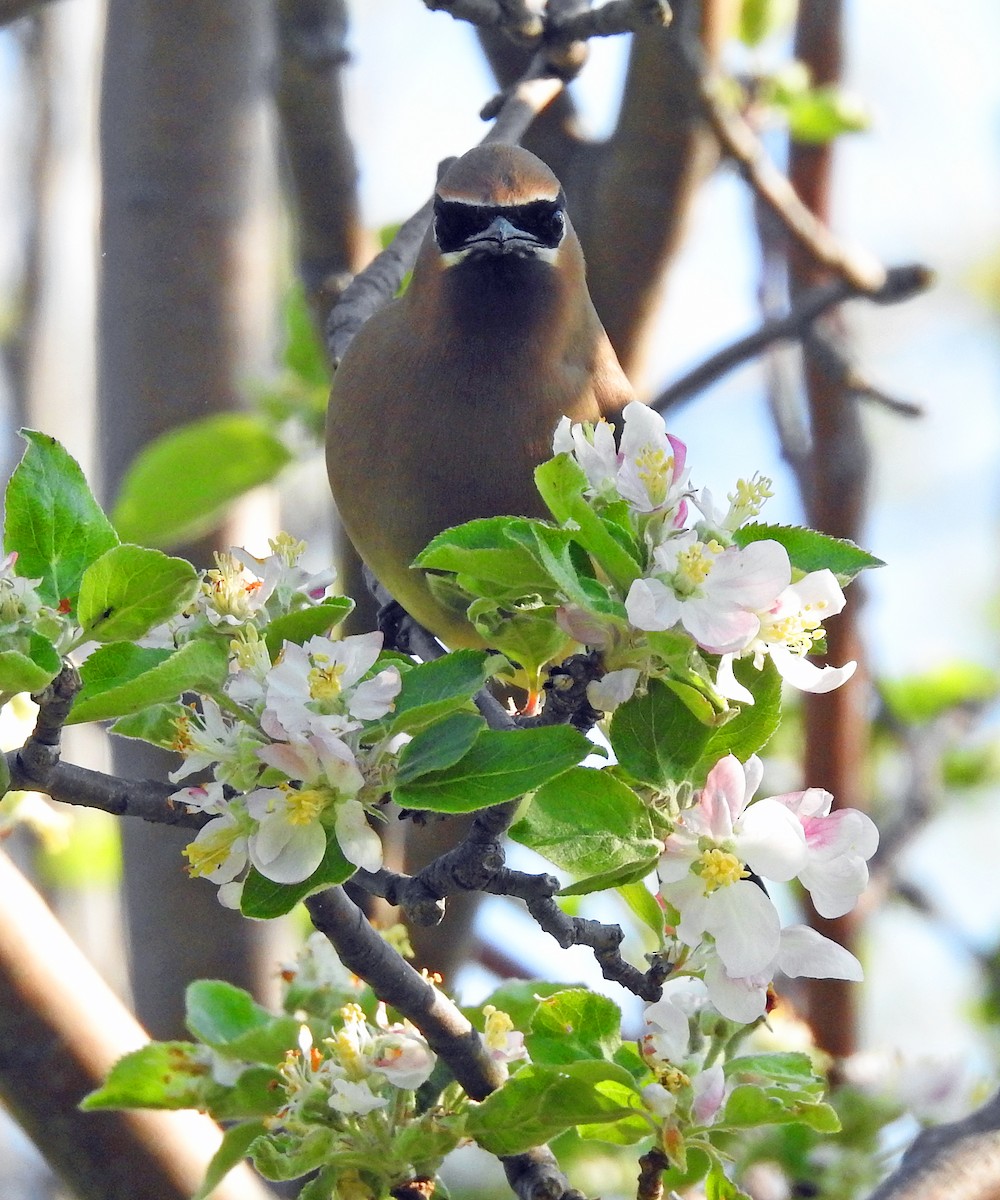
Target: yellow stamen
(304, 805)
(719, 868)
(695, 564)
(656, 470)
(210, 853)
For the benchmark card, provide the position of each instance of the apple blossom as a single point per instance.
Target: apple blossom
(704, 867)
(789, 628)
(713, 591)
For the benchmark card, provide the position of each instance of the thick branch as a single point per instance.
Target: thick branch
(312, 48)
(61, 1030)
(959, 1161)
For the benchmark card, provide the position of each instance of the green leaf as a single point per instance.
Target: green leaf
(718, 1187)
(158, 1075)
(603, 881)
(812, 551)
(539, 1102)
(587, 822)
(129, 589)
(303, 354)
(31, 671)
(923, 697)
(218, 1013)
(561, 483)
(817, 115)
(758, 19)
(287, 1156)
(436, 688)
(574, 1024)
(518, 998)
(749, 1106)
(439, 746)
(491, 549)
(156, 724)
(656, 738)
(53, 521)
(4, 775)
(228, 1019)
(299, 626)
(790, 1069)
(754, 725)
(202, 467)
(643, 903)
(121, 679)
(233, 1149)
(698, 1164)
(264, 899)
(257, 1091)
(500, 766)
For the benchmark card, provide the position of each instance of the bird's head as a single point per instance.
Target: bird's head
(495, 201)
(501, 249)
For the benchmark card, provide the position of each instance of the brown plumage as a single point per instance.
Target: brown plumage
(447, 399)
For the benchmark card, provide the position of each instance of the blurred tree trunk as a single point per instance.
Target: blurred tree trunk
(185, 313)
(836, 498)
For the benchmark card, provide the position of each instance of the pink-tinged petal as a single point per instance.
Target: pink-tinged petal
(753, 769)
(800, 673)
(717, 626)
(753, 577)
(723, 797)
(726, 683)
(811, 802)
(709, 1089)
(680, 454)
(804, 952)
(835, 885)
(739, 999)
(745, 926)
(846, 831)
(652, 606)
(296, 759)
(771, 841)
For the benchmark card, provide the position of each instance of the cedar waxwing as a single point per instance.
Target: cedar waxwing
(447, 399)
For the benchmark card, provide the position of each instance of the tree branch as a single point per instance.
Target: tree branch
(901, 283)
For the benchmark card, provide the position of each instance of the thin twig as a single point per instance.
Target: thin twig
(901, 283)
(739, 141)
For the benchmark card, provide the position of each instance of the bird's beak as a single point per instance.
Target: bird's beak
(501, 237)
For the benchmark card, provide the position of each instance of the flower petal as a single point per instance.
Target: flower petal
(745, 926)
(804, 952)
(770, 840)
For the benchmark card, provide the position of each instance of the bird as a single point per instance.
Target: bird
(447, 398)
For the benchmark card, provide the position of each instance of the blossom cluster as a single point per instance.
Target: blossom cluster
(722, 848)
(286, 742)
(732, 600)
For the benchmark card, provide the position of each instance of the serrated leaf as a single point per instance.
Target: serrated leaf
(483, 549)
(589, 823)
(656, 738)
(231, 1152)
(156, 724)
(202, 467)
(52, 520)
(121, 679)
(282, 1156)
(812, 551)
(315, 621)
(264, 899)
(539, 1102)
(129, 590)
(157, 1075)
(439, 746)
(500, 766)
(603, 881)
(217, 1012)
(433, 689)
(574, 1024)
(749, 1106)
(754, 725)
(789, 1069)
(30, 668)
(518, 998)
